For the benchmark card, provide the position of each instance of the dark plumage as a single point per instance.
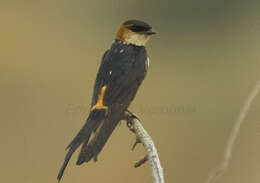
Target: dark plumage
(122, 70)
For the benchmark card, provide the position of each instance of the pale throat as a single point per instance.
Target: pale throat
(135, 38)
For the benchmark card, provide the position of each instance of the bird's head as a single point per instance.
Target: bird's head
(135, 32)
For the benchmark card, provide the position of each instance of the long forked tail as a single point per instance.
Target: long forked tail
(66, 160)
(92, 149)
(92, 123)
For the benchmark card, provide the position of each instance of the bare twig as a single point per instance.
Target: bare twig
(221, 168)
(141, 161)
(137, 141)
(135, 126)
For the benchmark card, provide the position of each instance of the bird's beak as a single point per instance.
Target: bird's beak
(150, 32)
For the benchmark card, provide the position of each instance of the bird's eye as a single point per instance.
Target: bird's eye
(136, 28)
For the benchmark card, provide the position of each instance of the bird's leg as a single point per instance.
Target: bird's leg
(131, 115)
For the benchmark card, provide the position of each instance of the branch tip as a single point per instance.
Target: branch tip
(141, 162)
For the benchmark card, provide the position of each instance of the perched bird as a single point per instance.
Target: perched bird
(122, 70)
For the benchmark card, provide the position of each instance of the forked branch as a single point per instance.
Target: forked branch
(142, 136)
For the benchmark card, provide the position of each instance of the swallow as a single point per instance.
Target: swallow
(122, 70)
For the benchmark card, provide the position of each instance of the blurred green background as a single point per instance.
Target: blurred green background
(204, 63)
